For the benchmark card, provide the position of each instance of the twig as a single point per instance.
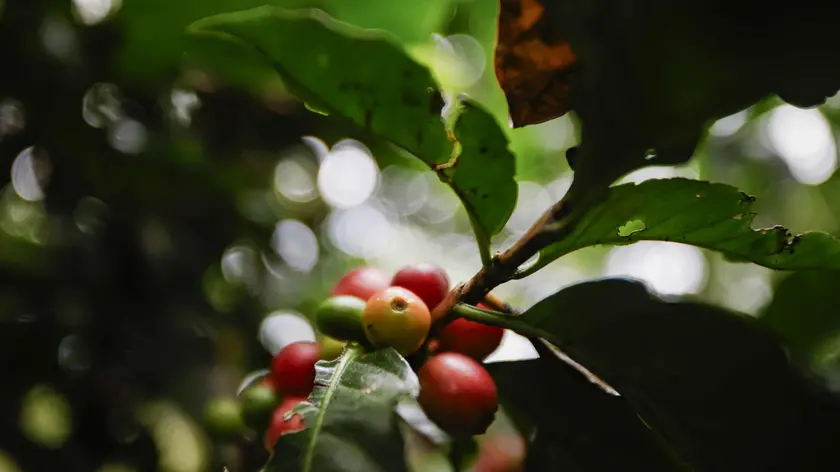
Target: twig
(550, 227)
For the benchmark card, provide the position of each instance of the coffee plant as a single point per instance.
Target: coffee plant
(657, 384)
(174, 296)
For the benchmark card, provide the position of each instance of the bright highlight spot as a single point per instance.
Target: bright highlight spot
(348, 175)
(29, 173)
(803, 139)
(362, 231)
(296, 244)
(281, 328)
(127, 136)
(729, 125)
(294, 179)
(91, 12)
(668, 268)
(514, 347)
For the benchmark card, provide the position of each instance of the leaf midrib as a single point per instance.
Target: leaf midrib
(335, 381)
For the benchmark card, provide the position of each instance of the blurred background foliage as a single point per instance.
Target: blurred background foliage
(159, 201)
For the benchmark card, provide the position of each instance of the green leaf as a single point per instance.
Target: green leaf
(805, 311)
(574, 422)
(351, 424)
(709, 215)
(718, 389)
(365, 77)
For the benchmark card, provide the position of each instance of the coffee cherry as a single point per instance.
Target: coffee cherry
(340, 317)
(468, 337)
(223, 418)
(398, 318)
(332, 348)
(428, 281)
(458, 394)
(293, 368)
(280, 424)
(502, 453)
(258, 401)
(362, 283)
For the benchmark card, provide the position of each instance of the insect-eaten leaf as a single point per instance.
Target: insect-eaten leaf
(534, 63)
(718, 388)
(365, 77)
(704, 214)
(575, 425)
(351, 423)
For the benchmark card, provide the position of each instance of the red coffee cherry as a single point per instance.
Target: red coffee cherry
(293, 368)
(468, 337)
(362, 283)
(428, 281)
(458, 394)
(280, 424)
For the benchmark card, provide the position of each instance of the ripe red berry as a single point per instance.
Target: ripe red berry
(458, 394)
(362, 283)
(293, 368)
(503, 453)
(471, 338)
(427, 280)
(398, 318)
(280, 424)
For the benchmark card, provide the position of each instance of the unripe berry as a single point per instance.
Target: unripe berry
(362, 283)
(258, 401)
(398, 318)
(458, 394)
(428, 281)
(468, 337)
(340, 317)
(223, 417)
(293, 368)
(331, 348)
(280, 424)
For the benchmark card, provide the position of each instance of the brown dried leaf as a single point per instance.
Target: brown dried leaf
(533, 63)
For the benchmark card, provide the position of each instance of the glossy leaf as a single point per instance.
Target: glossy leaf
(717, 388)
(351, 424)
(709, 215)
(584, 429)
(364, 76)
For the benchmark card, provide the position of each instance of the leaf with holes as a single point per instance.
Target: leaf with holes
(704, 214)
(351, 424)
(365, 77)
(717, 388)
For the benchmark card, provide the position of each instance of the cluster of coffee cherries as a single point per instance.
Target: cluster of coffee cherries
(369, 308)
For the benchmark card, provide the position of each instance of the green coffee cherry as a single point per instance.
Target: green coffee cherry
(258, 402)
(340, 317)
(223, 418)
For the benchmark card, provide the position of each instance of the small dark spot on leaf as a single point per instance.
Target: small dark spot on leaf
(368, 119)
(436, 102)
(483, 150)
